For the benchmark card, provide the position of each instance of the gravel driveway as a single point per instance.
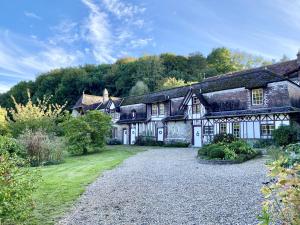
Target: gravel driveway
(169, 186)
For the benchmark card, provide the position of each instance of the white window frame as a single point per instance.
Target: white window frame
(257, 96)
(220, 128)
(208, 130)
(161, 109)
(235, 129)
(152, 106)
(266, 130)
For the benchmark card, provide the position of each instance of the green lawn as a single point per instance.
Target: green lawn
(62, 184)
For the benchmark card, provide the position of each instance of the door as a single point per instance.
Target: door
(197, 137)
(132, 136)
(160, 134)
(125, 136)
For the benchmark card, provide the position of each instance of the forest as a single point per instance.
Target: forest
(130, 76)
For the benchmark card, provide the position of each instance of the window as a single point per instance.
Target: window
(133, 114)
(267, 129)
(257, 96)
(114, 132)
(208, 130)
(196, 105)
(161, 109)
(236, 129)
(154, 109)
(223, 128)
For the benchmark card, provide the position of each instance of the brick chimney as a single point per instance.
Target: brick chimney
(105, 95)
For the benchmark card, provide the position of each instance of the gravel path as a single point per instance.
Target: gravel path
(169, 186)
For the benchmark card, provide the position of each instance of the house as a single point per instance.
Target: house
(249, 104)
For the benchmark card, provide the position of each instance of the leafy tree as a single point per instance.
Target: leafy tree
(285, 135)
(221, 60)
(139, 88)
(41, 115)
(243, 60)
(171, 82)
(87, 133)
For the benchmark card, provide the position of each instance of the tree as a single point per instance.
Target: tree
(87, 133)
(172, 82)
(34, 116)
(221, 60)
(243, 60)
(140, 88)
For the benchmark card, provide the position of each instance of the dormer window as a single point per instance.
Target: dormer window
(154, 109)
(133, 114)
(161, 109)
(257, 96)
(196, 105)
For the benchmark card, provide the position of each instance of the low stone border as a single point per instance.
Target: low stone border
(217, 161)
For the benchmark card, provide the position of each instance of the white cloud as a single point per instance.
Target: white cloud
(32, 15)
(98, 34)
(66, 32)
(121, 9)
(140, 42)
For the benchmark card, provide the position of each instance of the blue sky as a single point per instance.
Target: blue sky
(37, 36)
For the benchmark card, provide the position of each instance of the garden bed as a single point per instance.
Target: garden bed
(226, 149)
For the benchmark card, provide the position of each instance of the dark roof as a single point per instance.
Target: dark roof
(251, 78)
(174, 118)
(156, 96)
(248, 79)
(252, 112)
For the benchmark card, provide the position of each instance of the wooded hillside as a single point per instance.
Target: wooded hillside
(130, 76)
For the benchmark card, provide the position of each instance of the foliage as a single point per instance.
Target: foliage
(171, 82)
(224, 138)
(263, 143)
(281, 194)
(67, 84)
(237, 150)
(147, 141)
(69, 179)
(11, 146)
(42, 148)
(42, 115)
(139, 88)
(275, 152)
(17, 185)
(3, 122)
(177, 144)
(88, 132)
(285, 135)
(114, 141)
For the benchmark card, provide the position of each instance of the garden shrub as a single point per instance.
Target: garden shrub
(224, 138)
(282, 192)
(41, 148)
(36, 116)
(113, 141)
(263, 143)
(147, 141)
(4, 129)
(17, 185)
(238, 150)
(87, 133)
(285, 135)
(11, 146)
(177, 144)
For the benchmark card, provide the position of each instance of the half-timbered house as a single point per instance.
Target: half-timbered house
(249, 104)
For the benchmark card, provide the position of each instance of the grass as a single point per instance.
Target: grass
(62, 184)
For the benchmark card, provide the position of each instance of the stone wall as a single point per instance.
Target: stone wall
(179, 131)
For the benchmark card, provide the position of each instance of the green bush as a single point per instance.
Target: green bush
(263, 143)
(87, 133)
(4, 129)
(11, 146)
(224, 138)
(285, 135)
(42, 148)
(237, 150)
(16, 187)
(113, 141)
(177, 144)
(216, 152)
